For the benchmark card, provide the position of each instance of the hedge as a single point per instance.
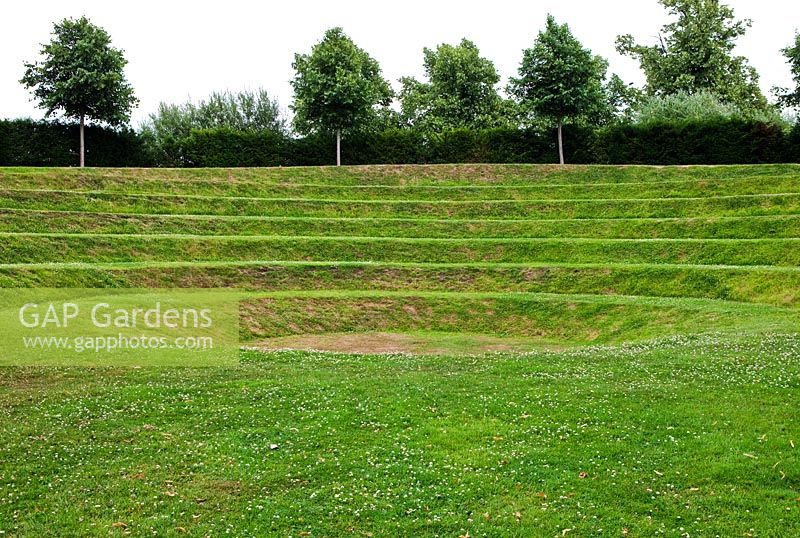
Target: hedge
(31, 143)
(222, 147)
(38, 143)
(792, 146)
(719, 142)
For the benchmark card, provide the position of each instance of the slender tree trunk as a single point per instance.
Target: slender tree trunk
(338, 147)
(83, 160)
(560, 142)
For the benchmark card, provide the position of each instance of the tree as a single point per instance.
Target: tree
(337, 87)
(82, 75)
(559, 79)
(460, 92)
(246, 111)
(623, 100)
(786, 97)
(695, 53)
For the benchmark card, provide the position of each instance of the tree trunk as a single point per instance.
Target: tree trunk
(338, 147)
(83, 160)
(560, 142)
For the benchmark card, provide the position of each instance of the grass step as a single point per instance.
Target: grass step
(25, 248)
(724, 206)
(436, 175)
(744, 284)
(578, 319)
(782, 226)
(686, 188)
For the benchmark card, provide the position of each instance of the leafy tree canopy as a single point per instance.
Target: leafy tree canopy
(81, 74)
(559, 79)
(787, 97)
(337, 86)
(695, 53)
(460, 93)
(622, 101)
(248, 111)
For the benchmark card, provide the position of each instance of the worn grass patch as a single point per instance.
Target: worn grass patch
(365, 343)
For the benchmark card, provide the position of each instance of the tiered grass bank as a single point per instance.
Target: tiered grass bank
(424, 243)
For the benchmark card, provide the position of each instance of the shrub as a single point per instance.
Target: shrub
(394, 146)
(791, 151)
(700, 107)
(246, 111)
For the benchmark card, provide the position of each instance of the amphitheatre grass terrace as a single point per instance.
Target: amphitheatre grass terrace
(768, 285)
(513, 351)
(541, 208)
(53, 222)
(720, 232)
(44, 248)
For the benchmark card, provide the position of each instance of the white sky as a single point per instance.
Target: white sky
(180, 49)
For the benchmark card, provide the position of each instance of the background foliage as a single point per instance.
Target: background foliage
(81, 74)
(40, 143)
(695, 52)
(719, 141)
(461, 92)
(167, 131)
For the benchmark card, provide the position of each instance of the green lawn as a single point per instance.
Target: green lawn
(678, 436)
(511, 351)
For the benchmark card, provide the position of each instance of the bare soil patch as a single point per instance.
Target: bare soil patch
(416, 344)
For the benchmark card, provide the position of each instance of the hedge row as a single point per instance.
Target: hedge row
(25, 142)
(38, 143)
(230, 148)
(720, 142)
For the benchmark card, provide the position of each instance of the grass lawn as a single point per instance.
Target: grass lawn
(676, 437)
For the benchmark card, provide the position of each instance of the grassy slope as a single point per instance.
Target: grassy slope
(696, 232)
(678, 435)
(778, 286)
(541, 208)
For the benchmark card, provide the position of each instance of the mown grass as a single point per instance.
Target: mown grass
(548, 318)
(680, 436)
(778, 286)
(257, 188)
(787, 226)
(24, 248)
(730, 206)
(443, 175)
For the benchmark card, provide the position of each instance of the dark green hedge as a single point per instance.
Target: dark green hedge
(718, 142)
(792, 146)
(39, 143)
(725, 142)
(224, 147)
(32, 143)
(221, 147)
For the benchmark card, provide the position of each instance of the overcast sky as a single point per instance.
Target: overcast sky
(182, 49)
